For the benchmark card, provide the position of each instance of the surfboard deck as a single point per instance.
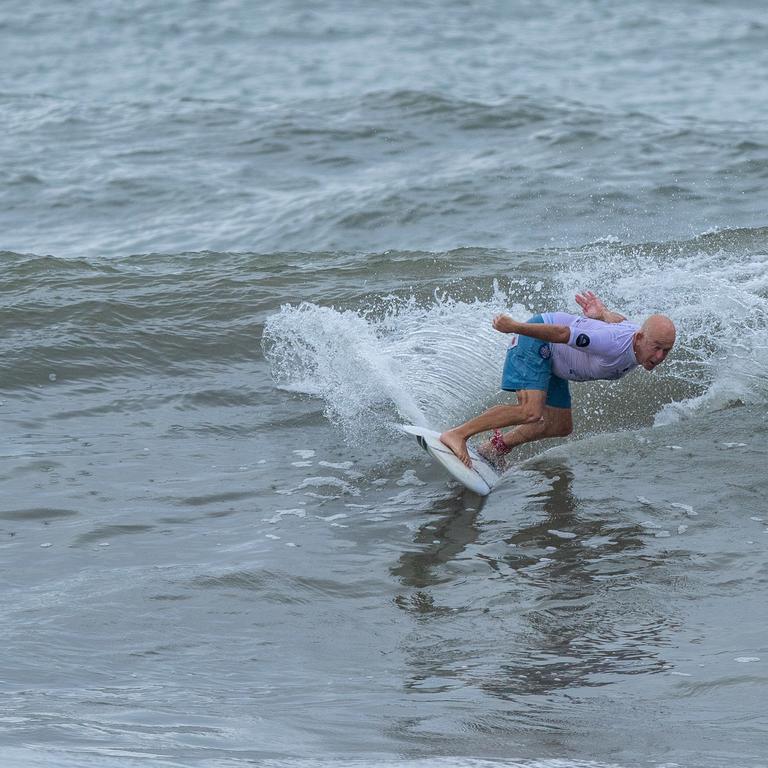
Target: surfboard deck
(480, 479)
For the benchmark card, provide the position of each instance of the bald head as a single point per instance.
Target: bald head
(654, 340)
(660, 327)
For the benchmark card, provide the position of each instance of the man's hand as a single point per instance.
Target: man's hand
(594, 308)
(591, 305)
(504, 324)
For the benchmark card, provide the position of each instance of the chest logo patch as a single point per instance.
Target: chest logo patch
(582, 340)
(545, 351)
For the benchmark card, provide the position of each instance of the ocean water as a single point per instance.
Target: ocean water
(241, 243)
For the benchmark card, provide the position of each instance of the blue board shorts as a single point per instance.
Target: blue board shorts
(529, 366)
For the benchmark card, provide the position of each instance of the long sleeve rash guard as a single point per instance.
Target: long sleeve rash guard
(595, 350)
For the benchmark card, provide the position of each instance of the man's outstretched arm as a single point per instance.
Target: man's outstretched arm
(593, 307)
(558, 334)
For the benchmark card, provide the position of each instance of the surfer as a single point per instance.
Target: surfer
(547, 352)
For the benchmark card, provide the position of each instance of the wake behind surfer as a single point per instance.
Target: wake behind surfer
(547, 352)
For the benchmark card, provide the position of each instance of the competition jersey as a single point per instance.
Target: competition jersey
(595, 350)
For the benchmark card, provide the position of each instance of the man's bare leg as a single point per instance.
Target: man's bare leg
(529, 410)
(557, 422)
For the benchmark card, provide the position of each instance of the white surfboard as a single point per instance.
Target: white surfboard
(480, 479)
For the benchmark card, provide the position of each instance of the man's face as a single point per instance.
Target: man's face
(652, 348)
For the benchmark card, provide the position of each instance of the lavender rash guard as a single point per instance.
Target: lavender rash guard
(595, 350)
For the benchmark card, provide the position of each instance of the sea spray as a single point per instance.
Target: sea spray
(429, 363)
(434, 358)
(714, 287)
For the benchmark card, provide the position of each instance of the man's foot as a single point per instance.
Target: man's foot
(458, 445)
(492, 455)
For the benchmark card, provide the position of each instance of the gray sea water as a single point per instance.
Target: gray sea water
(243, 241)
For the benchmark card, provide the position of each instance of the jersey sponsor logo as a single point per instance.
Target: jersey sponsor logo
(545, 351)
(582, 340)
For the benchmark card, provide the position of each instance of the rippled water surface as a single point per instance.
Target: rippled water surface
(242, 243)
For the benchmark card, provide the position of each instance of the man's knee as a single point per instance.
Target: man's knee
(532, 414)
(531, 404)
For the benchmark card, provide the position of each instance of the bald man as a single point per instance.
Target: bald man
(546, 353)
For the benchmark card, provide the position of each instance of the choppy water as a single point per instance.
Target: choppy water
(242, 242)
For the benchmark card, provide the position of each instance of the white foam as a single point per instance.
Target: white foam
(410, 478)
(337, 465)
(328, 482)
(281, 513)
(562, 534)
(687, 508)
